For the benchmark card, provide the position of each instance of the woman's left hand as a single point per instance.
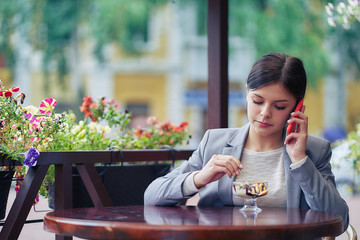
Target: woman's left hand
(296, 141)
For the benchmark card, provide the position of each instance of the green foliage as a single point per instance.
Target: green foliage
(121, 21)
(347, 42)
(24, 128)
(353, 139)
(21, 129)
(8, 24)
(155, 135)
(53, 25)
(292, 27)
(354, 143)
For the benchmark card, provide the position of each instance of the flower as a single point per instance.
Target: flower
(346, 157)
(31, 157)
(9, 92)
(47, 106)
(155, 135)
(86, 106)
(343, 14)
(25, 132)
(20, 179)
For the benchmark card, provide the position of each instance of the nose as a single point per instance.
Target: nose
(266, 111)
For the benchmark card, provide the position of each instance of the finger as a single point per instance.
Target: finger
(291, 138)
(219, 165)
(295, 120)
(233, 168)
(226, 166)
(303, 125)
(232, 163)
(225, 170)
(303, 108)
(235, 162)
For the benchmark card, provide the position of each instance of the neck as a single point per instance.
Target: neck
(259, 143)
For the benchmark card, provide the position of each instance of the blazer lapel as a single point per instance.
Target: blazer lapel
(235, 148)
(293, 189)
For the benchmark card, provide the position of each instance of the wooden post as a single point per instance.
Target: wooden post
(218, 83)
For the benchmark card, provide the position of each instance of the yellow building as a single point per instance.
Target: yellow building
(169, 78)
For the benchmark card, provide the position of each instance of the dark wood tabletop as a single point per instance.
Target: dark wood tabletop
(155, 222)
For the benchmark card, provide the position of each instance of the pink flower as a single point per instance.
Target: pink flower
(47, 106)
(33, 119)
(9, 92)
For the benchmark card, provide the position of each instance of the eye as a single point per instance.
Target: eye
(279, 108)
(257, 102)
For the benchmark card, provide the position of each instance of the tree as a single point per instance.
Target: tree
(52, 25)
(293, 27)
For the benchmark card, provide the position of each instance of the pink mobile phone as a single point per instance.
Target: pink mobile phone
(292, 126)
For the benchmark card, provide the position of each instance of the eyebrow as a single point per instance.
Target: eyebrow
(281, 100)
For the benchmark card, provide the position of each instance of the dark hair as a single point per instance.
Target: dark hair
(279, 68)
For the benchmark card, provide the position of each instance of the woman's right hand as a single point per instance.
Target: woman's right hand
(216, 168)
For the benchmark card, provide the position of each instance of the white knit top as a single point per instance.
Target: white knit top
(265, 166)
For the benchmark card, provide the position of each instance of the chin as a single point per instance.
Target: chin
(266, 131)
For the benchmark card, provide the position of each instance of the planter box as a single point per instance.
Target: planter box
(125, 184)
(5, 184)
(84, 160)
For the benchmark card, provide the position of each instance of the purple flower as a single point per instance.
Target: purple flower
(31, 157)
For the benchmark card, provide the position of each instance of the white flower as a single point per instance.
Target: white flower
(353, 3)
(32, 109)
(75, 129)
(82, 133)
(341, 8)
(81, 123)
(331, 21)
(103, 129)
(345, 23)
(345, 13)
(329, 9)
(107, 129)
(93, 126)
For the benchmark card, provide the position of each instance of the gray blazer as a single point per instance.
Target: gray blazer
(311, 186)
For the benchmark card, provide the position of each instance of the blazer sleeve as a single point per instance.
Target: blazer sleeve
(317, 181)
(167, 190)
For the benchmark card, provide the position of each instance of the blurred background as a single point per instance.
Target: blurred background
(151, 56)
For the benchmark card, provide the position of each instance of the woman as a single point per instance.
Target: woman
(296, 166)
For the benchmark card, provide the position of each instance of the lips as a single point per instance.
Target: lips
(263, 124)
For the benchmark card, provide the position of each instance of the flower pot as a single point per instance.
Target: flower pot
(5, 184)
(125, 184)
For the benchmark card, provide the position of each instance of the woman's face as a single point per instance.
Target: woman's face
(269, 108)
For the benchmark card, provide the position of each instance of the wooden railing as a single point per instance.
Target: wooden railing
(84, 161)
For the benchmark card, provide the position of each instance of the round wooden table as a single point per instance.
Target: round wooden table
(155, 222)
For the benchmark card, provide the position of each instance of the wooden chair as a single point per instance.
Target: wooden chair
(350, 232)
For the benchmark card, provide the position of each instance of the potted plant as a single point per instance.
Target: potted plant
(353, 142)
(346, 163)
(28, 131)
(21, 130)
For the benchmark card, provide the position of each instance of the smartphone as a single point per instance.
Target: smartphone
(292, 126)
